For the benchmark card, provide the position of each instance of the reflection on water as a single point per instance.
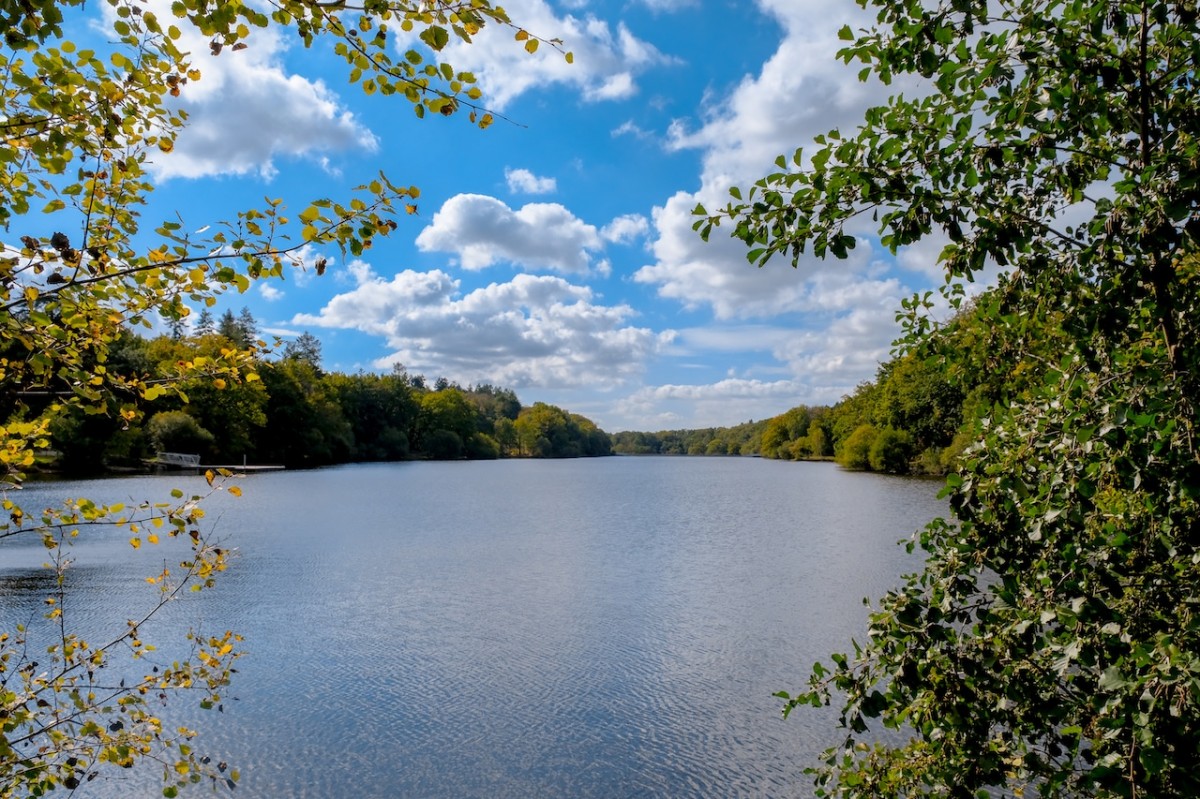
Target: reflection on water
(600, 628)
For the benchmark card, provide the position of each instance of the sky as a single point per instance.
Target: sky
(553, 253)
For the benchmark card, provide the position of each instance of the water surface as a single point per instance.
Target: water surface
(593, 628)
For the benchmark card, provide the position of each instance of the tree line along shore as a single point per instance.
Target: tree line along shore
(287, 410)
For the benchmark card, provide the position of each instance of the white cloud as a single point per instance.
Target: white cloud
(532, 331)
(615, 87)
(522, 180)
(606, 62)
(717, 274)
(247, 111)
(357, 272)
(677, 406)
(630, 128)
(801, 90)
(625, 229)
(482, 230)
(269, 292)
(822, 364)
(834, 359)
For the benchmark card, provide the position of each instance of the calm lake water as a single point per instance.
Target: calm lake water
(593, 628)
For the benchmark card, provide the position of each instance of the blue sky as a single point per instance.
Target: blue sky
(554, 254)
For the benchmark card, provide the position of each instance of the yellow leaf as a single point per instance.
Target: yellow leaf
(135, 542)
(570, 58)
(219, 383)
(531, 46)
(237, 492)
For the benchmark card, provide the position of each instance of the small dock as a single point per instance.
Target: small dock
(246, 468)
(187, 462)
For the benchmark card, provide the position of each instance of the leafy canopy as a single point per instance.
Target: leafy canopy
(79, 266)
(1051, 644)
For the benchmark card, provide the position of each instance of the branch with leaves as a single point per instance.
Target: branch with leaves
(1051, 644)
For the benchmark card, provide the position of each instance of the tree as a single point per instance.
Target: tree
(247, 326)
(891, 451)
(205, 325)
(916, 397)
(442, 412)
(784, 429)
(303, 424)
(231, 328)
(1051, 645)
(177, 327)
(176, 431)
(79, 125)
(382, 411)
(547, 431)
(305, 347)
(855, 452)
(506, 435)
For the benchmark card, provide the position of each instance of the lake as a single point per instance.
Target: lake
(611, 627)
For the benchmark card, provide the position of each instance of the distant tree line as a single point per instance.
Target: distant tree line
(287, 410)
(911, 419)
(744, 439)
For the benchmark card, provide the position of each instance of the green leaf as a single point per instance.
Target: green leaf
(436, 37)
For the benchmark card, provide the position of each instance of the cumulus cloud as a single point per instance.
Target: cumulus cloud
(802, 90)
(606, 61)
(823, 326)
(533, 331)
(357, 272)
(247, 111)
(524, 181)
(482, 231)
(269, 292)
(625, 229)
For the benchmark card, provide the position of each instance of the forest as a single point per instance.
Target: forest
(286, 410)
